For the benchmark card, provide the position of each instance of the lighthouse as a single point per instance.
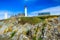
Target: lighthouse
(6, 15)
(25, 10)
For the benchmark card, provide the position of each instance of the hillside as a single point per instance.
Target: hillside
(30, 28)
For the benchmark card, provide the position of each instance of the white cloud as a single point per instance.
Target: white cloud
(52, 10)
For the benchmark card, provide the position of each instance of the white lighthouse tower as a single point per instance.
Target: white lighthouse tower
(6, 15)
(25, 11)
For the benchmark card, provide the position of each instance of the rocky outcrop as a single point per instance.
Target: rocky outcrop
(44, 29)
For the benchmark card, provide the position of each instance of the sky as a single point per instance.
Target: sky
(13, 7)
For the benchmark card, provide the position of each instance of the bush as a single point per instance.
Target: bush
(31, 20)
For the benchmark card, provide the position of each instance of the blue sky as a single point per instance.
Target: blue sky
(14, 6)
